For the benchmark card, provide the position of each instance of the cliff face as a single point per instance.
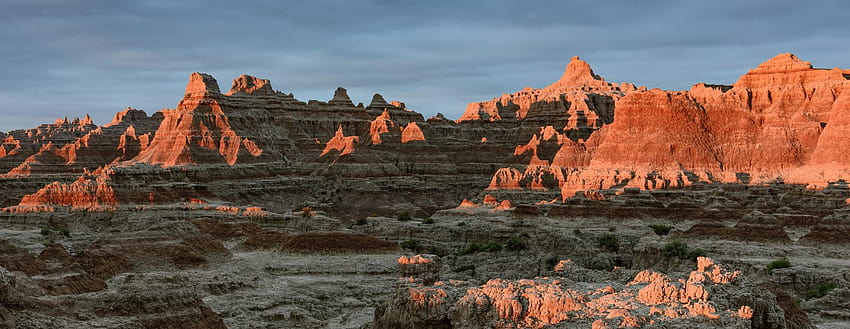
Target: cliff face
(782, 121)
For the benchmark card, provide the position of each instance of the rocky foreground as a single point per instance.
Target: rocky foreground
(583, 204)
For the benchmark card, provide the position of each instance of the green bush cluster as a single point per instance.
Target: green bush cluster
(428, 220)
(779, 263)
(820, 291)
(361, 221)
(661, 229)
(473, 248)
(411, 244)
(403, 216)
(679, 249)
(515, 244)
(609, 242)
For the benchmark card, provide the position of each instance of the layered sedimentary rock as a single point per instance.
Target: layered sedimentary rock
(781, 122)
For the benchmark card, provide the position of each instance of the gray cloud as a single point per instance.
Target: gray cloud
(75, 57)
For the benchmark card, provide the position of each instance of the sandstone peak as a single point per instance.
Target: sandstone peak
(250, 84)
(341, 98)
(578, 71)
(129, 114)
(340, 94)
(784, 62)
(378, 101)
(202, 83)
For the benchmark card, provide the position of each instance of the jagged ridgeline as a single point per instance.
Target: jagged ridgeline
(783, 121)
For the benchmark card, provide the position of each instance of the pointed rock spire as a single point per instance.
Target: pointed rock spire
(341, 98)
(578, 74)
(378, 101)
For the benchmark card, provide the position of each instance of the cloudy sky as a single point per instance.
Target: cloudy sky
(75, 57)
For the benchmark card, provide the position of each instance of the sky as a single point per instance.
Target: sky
(71, 58)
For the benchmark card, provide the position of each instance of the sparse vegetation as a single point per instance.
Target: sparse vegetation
(609, 242)
(820, 291)
(428, 220)
(465, 268)
(779, 263)
(577, 232)
(45, 231)
(65, 231)
(461, 223)
(515, 244)
(661, 229)
(411, 244)
(680, 250)
(473, 248)
(361, 222)
(403, 216)
(612, 228)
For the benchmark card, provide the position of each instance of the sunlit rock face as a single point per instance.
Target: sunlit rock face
(580, 136)
(649, 298)
(779, 121)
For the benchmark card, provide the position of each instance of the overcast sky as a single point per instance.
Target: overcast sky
(61, 58)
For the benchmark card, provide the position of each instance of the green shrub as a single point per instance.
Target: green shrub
(515, 244)
(461, 223)
(428, 220)
(411, 244)
(779, 263)
(677, 249)
(473, 248)
(465, 268)
(361, 222)
(612, 228)
(609, 242)
(661, 229)
(45, 231)
(65, 231)
(470, 249)
(403, 216)
(493, 247)
(820, 291)
(577, 232)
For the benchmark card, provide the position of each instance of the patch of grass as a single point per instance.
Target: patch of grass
(515, 244)
(661, 229)
(428, 220)
(680, 250)
(779, 263)
(609, 242)
(465, 268)
(411, 244)
(473, 248)
(403, 216)
(361, 222)
(820, 291)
